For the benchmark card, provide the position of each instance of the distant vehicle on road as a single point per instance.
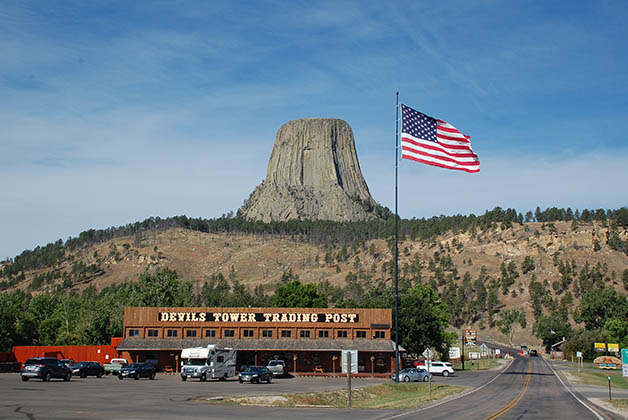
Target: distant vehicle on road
(45, 368)
(256, 374)
(137, 371)
(533, 353)
(85, 369)
(277, 367)
(413, 374)
(441, 368)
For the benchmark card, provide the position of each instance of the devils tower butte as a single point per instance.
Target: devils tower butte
(313, 174)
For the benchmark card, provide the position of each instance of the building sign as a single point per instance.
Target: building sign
(599, 346)
(268, 317)
(613, 347)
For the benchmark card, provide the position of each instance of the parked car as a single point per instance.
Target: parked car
(67, 362)
(137, 371)
(441, 368)
(277, 367)
(256, 374)
(45, 368)
(413, 374)
(115, 365)
(533, 353)
(85, 369)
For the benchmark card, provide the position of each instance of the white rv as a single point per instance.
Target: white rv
(211, 362)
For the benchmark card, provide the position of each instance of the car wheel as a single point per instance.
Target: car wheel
(204, 377)
(445, 373)
(47, 377)
(241, 381)
(223, 378)
(184, 378)
(270, 379)
(152, 376)
(426, 378)
(406, 379)
(24, 378)
(99, 375)
(83, 375)
(120, 377)
(68, 376)
(137, 376)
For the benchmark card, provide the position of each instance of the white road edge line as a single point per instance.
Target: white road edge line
(572, 394)
(464, 394)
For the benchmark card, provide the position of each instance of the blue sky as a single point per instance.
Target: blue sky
(112, 112)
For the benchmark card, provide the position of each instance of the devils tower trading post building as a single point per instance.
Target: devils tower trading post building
(308, 340)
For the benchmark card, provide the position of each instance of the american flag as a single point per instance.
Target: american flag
(434, 142)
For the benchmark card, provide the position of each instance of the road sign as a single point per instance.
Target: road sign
(354, 360)
(578, 354)
(428, 354)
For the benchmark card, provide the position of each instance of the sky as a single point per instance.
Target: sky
(112, 112)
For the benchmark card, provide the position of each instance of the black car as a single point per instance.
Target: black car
(256, 374)
(137, 371)
(45, 368)
(533, 353)
(85, 369)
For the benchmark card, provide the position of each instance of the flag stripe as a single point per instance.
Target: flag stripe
(435, 142)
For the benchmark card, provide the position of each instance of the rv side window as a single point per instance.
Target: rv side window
(220, 359)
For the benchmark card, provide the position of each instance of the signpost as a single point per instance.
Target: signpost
(428, 354)
(580, 360)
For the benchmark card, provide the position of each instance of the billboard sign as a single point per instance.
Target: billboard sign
(471, 337)
(613, 347)
(599, 346)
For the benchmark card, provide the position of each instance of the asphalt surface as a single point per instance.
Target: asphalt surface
(526, 389)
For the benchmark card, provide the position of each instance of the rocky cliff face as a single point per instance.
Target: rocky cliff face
(313, 173)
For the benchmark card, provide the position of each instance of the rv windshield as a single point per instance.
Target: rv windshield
(196, 362)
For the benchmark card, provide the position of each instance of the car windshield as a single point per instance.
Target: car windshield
(196, 362)
(136, 366)
(275, 363)
(405, 371)
(33, 362)
(254, 369)
(78, 365)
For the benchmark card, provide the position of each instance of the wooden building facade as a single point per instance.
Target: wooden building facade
(308, 340)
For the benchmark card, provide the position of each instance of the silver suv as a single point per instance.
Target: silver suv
(277, 367)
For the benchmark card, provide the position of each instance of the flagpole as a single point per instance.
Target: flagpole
(396, 242)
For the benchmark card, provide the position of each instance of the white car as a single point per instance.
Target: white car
(441, 368)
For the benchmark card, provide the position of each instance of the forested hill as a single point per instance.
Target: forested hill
(510, 275)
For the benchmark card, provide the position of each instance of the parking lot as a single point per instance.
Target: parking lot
(165, 397)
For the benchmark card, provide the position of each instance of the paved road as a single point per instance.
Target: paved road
(527, 389)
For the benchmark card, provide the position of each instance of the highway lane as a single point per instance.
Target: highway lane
(527, 389)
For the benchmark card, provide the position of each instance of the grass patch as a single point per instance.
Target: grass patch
(588, 377)
(482, 364)
(391, 396)
(623, 404)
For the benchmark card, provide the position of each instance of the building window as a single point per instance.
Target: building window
(304, 334)
(379, 334)
(342, 333)
(172, 333)
(134, 333)
(153, 333)
(360, 334)
(248, 333)
(286, 333)
(229, 333)
(267, 333)
(190, 333)
(323, 334)
(210, 333)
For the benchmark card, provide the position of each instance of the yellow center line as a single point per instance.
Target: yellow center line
(514, 402)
